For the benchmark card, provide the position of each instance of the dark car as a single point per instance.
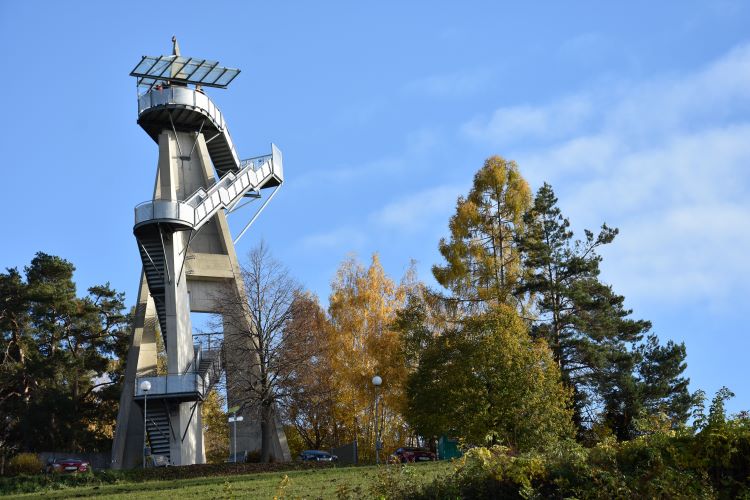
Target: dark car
(408, 454)
(317, 456)
(67, 465)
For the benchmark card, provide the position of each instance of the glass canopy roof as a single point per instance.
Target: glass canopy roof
(152, 70)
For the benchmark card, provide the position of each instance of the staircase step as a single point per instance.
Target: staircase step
(157, 428)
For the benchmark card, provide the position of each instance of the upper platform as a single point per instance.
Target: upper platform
(189, 110)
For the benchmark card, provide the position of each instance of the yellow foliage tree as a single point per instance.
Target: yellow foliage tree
(215, 428)
(482, 261)
(363, 343)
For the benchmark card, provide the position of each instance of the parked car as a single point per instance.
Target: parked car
(408, 454)
(67, 465)
(317, 456)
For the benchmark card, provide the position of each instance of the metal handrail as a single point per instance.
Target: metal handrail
(185, 96)
(164, 209)
(186, 383)
(203, 203)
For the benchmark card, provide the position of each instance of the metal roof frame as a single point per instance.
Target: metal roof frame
(153, 69)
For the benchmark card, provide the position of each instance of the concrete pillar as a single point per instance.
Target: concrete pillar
(198, 276)
(127, 448)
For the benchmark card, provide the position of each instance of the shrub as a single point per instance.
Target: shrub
(24, 463)
(394, 481)
(715, 463)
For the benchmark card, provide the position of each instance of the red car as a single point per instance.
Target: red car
(403, 455)
(67, 465)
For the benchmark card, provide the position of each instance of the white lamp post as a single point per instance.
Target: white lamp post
(376, 381)
(145, 387)
(233, 420)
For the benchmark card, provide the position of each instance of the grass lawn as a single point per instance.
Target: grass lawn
(342, 482)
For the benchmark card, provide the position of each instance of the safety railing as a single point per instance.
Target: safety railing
(167, 210)
(165, 385)
(185, 96)
(256, 162)
(199, 207)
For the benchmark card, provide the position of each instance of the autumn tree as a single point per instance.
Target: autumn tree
(215, 427)
(483, 264)
(265, 352)
(487, 381)
(363, 343)
(310, 398)
(476, 372)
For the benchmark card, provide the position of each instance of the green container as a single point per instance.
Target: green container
(448, 448)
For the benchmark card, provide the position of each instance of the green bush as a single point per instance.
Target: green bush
(394, 481)
(24, 463)
(673, 464)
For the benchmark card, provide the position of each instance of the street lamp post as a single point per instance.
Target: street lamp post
(376, 381)
(233, 420)
(145, 387)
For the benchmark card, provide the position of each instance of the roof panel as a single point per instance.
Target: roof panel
(152, 69)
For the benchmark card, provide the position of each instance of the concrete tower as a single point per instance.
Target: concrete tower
(188, 261)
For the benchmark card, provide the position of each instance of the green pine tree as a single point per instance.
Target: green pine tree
(596, 344)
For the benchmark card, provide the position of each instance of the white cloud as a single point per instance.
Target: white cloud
(458, 84)
(342, 237)
(510, 124)
(320, 173)
(405, 216)
(651, 109)
(419, 210)
(607, 178)
(639, 111)
(666, 160)
(688, 253)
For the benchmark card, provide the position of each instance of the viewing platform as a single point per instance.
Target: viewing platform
(178, 388)
(187, 109)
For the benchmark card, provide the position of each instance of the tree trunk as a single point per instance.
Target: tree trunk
(266, 426)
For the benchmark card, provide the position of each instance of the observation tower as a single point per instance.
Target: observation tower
(189, 260)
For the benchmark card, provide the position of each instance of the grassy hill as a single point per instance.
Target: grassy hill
(324, 483)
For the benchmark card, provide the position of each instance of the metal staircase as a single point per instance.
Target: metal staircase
(222, 153)
(256, 174)
(209, 366)
(157, 428)
(157, 219)
(152, 255)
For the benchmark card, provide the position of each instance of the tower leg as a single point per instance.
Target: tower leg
(195, 277)
(213, 272)
(127, 448)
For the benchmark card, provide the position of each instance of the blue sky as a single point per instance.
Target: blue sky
(638, 114)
